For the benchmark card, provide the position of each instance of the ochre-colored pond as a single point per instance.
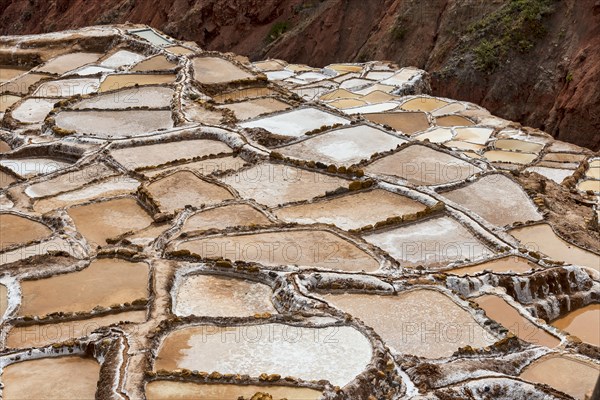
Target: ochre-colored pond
(583, 323)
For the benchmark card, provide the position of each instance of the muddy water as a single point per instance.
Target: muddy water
(243, 94)
(421, 165)
(166, 390)
(217, 70)
(353, 211)
(453, 120)
(507, 264)
(437, 135)
(43, 335)
(104, 282)
(478, 196)
(335, 354)
(216, 296)
(107, 219)
(22, 84)
(498, 309)
(589, 184)
(37, 379)
(8, 72)
(405, 122)
(520, 145)
(156, 63)
(542, 238)
(582, 323)
(19, 230)
(305, 248)
(121, 81)
(68, 62)
(509, 156)
(253, 108)
(344, 146)
(423, 104)
(433, 243)
(3, 300)
(7, 100)
(184, 187)
(425, 323)
(273, 184)
(149, 96)
(224, 217)
(567, 374)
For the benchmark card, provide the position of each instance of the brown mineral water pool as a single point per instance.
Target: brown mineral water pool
(69, 180)
(352, 211)
(564, 157)
(564, 373)
(145, 96)
(337, 354)
(3, 300)
(7, 100)
(405, 122)
(217, 70)
(425, 323)
(542, 238)
(5, 179)
(4, 147)
(218, 296)
(68, 62)
(255, 107)
(242, 94)
(583, 323)
(480, 195)
(167, 390)
(103, 283)
(423, 104)
(37, 379)
(22, 84)
(156, 63)
(498, 309)
(520, 145)
(225, 217)
(121, 81)
(204, 167)
(589, 184)
(20, 230)
(507, 264)
(306, 248)
(453, 120)
(421, 165)
(274, 184)
(181, 188)
(8, 72)
(178, 50)
(100, 221)
(46, 334)
(509, 156)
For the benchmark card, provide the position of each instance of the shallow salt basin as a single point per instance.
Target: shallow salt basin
(269, 65)
(422, 322)
(453, 120)
(509, 157)
(68, 62)
(343, 146)
(542, 238)
(305, 248)
(36, 379)
(296, 122)
(405, 122)
(432, 243)
(279, 75)
(243, 94)
(555, 174)
(178, 50)
(7, 100)
(112, 186)
(474, 135)
(33, 111)
(499, 310)
(4, 147)
(576, 377)
(346, 103)
(133, 158)
(20, 230)
(421, 165)
(168, 390)
(352, 211)
(593, 185)
(436, 135)
(464, 146)
(10, 72)
(109, 124)
(224, 217)
(423, 104)
(107, 219)
(44, 247)
(212, 70)
(216, 296)
(151, 97)
(151, 36)
(593, 172)
(156, 63)
(564, 157)
(22, 84)
(103, 283)
(46, 334)
(90, 70)
(67, 87)
(339, 94)
(583, 323)
(69, 180)
(3, 300)
(520, 145)
(507, 264)
(371, 108)
(122, 58)
(181, 188)
(378, 97)
(28, 167)
(253, 108)
(204, 167)
(480, 195)
(274, 349)
(123, 81)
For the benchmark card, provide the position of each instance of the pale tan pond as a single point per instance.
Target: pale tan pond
(145, 96)
(564, 373)
(69, 180)
(352, 211)
(405, 122)
(167, 390)
(68, 62)
(8, 72)
(507, 264)
(509, 156)
(217, 70)
(3, 300)
(122, 81)
(156, 63)
(21, 84)
(425, 323)
(423, 104)
(37, 379)
(306, 248)
(542, 238)
(499, 310)
(453, 120)
(7, 100)
(583, 323)
(225, 217)
(104, 282)
(255, 107)
(336, 354)
(20, 230)
(242, 94)
(219, 296)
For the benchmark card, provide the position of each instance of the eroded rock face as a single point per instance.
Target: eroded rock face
(334, 224)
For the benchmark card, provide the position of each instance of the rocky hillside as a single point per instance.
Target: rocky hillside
(533, 61)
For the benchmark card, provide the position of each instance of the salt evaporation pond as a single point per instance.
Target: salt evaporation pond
(123, 81)
(7, 100)
(405, 122)
(516, 265)
(211, 70)
(68, 62)
(255, 107)
(423, 104)
(453, 120)
(122, 58)
(151, 97)
(69, 180)
(274, 349)
(296, 122)
(509, 157)
(20, 230)
(436, 135)
(33, 111)
(65, 88)
(156, 63)
(555, 174)
(583, 323)
(224, 217)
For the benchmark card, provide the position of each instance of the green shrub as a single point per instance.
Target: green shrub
(277, 29)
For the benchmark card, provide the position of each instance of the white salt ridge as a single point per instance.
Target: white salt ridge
(90, 70)
(372, 108)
